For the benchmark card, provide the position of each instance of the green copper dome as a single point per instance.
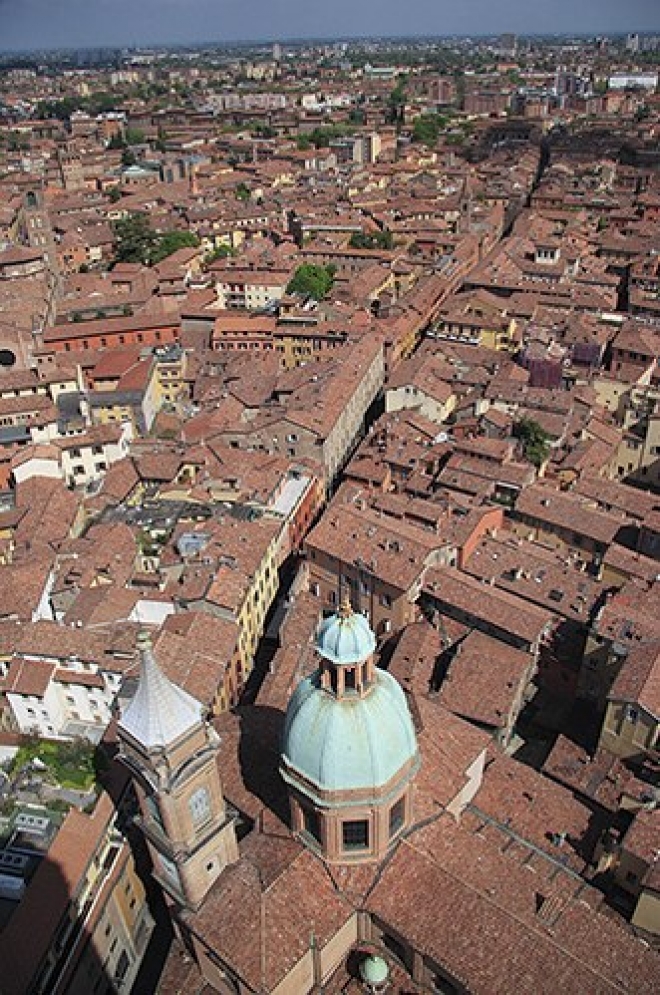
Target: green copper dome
(348, 743)
(345, 638)
(374, 970)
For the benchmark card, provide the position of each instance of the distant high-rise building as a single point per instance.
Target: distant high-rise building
(277, 52)
(507, 44)
(632, 43)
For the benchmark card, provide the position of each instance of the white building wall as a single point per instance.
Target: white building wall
(38, 468)
(84, 704)
(41, 714)
(412, 398)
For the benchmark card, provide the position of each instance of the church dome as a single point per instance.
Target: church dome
(345, 638)
(352, 743)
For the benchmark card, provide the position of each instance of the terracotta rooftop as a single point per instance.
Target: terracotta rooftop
(638, 680)
(485, 680)
(482, 606)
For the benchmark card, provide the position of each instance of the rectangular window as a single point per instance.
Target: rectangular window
(397, 815)
(312, 824)
(122, 967)
(355, 834)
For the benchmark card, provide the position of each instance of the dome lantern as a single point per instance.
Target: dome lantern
(346, 644)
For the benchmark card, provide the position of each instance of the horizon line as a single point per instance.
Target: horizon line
(317, 39)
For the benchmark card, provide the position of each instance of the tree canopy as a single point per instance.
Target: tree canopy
(128, 157)
(427, 128)
(534, 440)
(321, 136)
(95, 103)
(220, 252)
(137, 242)
(172, 241)
(373, 240)
(134, 238)
(312, 281)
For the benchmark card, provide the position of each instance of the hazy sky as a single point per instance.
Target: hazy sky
(59, 23)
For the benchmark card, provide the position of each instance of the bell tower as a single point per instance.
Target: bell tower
(171, 752)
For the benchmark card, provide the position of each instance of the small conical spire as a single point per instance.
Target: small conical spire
(160, 712)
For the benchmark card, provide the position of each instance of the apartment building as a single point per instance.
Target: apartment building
(83, 924)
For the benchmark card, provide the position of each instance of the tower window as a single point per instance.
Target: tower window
(153, 810)
(355, 834)
(349, 680)
(312, 824)
(200, 806)
(397, 815)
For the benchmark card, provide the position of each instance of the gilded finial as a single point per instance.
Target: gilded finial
(345, 609)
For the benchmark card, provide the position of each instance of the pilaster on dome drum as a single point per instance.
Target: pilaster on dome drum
(160, 712)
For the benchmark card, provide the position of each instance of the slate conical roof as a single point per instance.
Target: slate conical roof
(160, 712)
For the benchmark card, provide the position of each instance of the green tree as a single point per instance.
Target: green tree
(374, 240)
(100, 102)
(116, 141)
(534, 440)
(242, 192)
(161, 141)
(220, 252)
(427, 128)
(396, 102)
(312, 281)
(321, 136)
(133, 136)
(114, 193)
(171, 241)
(128, 157)
(264, 130)
(134, 239)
